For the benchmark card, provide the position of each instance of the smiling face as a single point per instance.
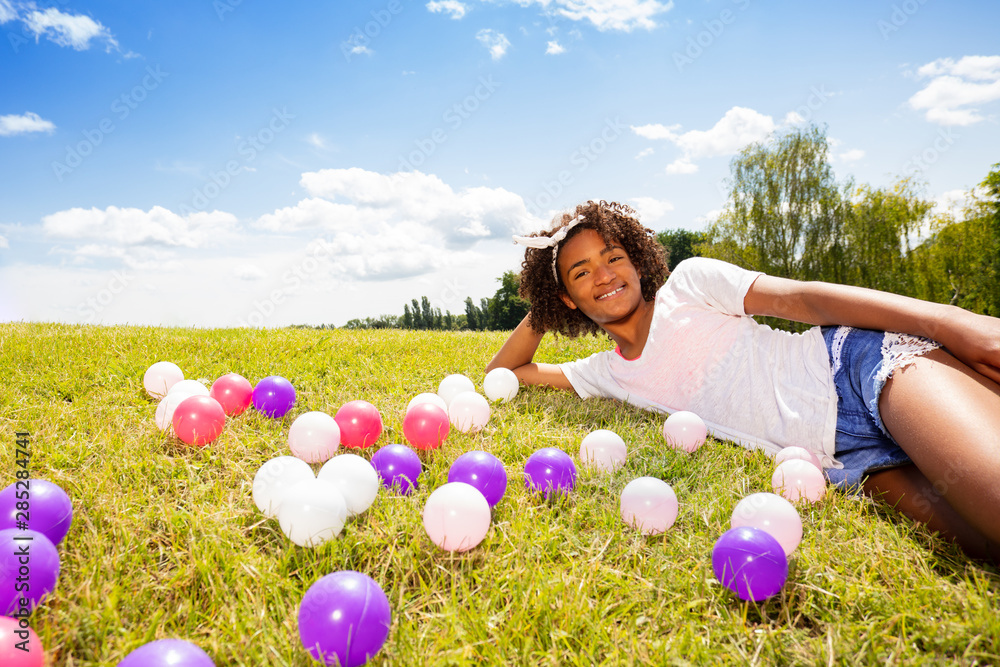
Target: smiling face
(599, 278)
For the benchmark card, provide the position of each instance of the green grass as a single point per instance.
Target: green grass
(166, 540)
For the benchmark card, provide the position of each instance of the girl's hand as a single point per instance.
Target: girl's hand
(974, 339)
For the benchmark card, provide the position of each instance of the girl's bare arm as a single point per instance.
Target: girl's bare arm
(517, 354)
(972, 338)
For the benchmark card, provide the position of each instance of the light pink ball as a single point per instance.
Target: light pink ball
(772, 514)
(603, 449)
(685, 430)
(797, 453)
(427, 397)
(796, 479)
(456, 516)
(160, 377)
(469, 411)
(649, 504)
(167, 406)
(314, 437)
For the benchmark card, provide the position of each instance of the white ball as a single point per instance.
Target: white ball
(191, 387)
(167, 406)
(160, 377)
(649, 504)
(427, 398)
(685, 430)
(469, 411)
(356, 479)
(274, 479)
(314, 437)
(313, 512)
(798, 453)
(796, 479)
(500, 384)
(603, 449)
(772, 514)
(453, 385)
(456, 516)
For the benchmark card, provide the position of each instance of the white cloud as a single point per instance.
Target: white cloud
(456, 9)
(132, 227)
(957, 88)
(623, 15)
(3, 242)
(554, 48)
(7, 12)
(645, 152)
(360, 49)
(793, 118)
(249, 272)
(651, 209)
(852, 155)
(496, 42)
(23, 124)
(952, 202)
(74, 30)
(739, 127)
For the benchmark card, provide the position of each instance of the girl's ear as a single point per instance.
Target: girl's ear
(568, 301)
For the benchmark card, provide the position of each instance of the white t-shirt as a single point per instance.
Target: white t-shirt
(751, 384)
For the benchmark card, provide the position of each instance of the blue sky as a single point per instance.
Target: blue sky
(245, 163)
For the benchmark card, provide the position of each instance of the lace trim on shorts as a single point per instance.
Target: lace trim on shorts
(899, 350)
(837, 346)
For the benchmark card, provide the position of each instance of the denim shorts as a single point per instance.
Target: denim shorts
(862, 361)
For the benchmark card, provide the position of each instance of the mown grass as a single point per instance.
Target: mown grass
(166, 540)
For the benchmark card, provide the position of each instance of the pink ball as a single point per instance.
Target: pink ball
(32, 654)
(685, 430)
(233, 392)
(456, 516)
(796, 479)
(426, 426)
(770, 513)
(314, 437)
(797, 453)
(198, 420)
(603, 449)
(649, 504)
(160, 377)
(360, 424)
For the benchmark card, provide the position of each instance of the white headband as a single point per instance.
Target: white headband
(550, 241)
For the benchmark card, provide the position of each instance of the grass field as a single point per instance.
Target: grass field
(166, 540)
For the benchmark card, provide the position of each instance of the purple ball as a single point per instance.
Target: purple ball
(167, 653)
(27, 557)
(274, 396)
(344, 619)
(550, 470)
(483, 471)
(398, 466)
(750, 562)
(49, 509)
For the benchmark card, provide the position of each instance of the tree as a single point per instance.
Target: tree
(427, 315)
(785, 211)
(472, 316)
(680, 244)
(991, 186)
(418, 318)
(407, 321)
(507, 308)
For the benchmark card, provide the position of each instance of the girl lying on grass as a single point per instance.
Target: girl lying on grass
(898, 397)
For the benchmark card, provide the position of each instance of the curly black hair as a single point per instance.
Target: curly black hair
(614, 222)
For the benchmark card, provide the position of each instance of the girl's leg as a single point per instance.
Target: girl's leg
(946, 417)
(910, 492)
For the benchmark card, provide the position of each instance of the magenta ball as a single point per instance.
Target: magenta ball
(274, 396)
(360, 424)
(344, 619)
(750, 562)
(398, 466)
(426, 426)
(483, 471)
(42, 505)
(167, 653)
(550, 470)
(233, 392)
(17, 549)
